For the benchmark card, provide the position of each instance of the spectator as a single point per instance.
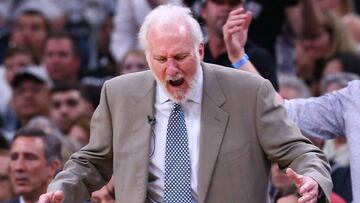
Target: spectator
(80, 130)
(215, 14)
(6, 191)
(69, 101)
(318, 44)
(336, 81)
(51, 11)
(68, 145)
(291, 87)
(30, 30)
(342, 62)
(34, 160)
(134, 61)
(15, 59)
(31, 88)
(61, 58)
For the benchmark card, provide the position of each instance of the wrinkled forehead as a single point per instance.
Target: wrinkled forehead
(169, 34)
(168, 29)
(24, 144)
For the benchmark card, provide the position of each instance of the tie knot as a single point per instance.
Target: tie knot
(177, 107)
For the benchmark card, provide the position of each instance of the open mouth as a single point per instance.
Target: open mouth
(177, 82)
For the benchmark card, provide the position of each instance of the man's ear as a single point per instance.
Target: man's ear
(201, 51)
(55, 167)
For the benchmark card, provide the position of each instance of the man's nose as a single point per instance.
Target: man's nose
(18, 165)
(172, 68)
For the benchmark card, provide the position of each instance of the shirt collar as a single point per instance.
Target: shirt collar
(195, 94)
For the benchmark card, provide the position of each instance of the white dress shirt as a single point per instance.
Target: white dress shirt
(192, 111)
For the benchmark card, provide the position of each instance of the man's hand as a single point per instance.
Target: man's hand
(52, 197)
(235, 32)
(308, 187)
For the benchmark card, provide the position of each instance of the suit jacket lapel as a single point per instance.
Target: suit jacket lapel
(143, 106)
(213, 125)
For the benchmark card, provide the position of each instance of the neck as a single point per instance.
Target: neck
(30, 198)
(216, 45)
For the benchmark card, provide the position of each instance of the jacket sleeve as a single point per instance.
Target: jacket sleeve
(283, 143)
(91, 167)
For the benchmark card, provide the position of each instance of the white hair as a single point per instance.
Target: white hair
(172, 14)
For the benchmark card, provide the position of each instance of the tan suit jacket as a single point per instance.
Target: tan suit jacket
(243, 129)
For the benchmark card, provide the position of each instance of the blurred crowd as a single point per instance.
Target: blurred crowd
(55, 56)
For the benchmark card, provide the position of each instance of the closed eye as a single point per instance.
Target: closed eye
(160, 59)
(181, 57)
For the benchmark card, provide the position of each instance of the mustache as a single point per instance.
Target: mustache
(19, 175)
(174, 78)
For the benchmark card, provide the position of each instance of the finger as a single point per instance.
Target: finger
(234, 30)
(307, 199)
(307, 186)
(237, 23)
(45, 198)
(237, 11)
(296, 178)
(237, 17)
(248, 20)
(58, 197)
(242, 20)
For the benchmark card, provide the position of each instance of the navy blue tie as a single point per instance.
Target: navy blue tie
(177, 159)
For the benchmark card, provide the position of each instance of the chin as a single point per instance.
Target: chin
(178, 96)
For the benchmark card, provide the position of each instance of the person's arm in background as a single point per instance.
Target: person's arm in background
(319, 117)
(235, 35)
(90, 168)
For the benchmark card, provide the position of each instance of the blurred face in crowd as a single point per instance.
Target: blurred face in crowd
(134, 62)
(29, 169)
(215, 13)
(318, 47)
(5, 184)
(14, 63)
(79, 133)
(60, 59)
(288, 92)
(30, 31)
(31, 98)
(67, 106)
(332, 67)
(174, 59)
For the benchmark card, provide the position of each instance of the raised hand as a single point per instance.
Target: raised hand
(307, 187)
(52, 197)
(235, 32)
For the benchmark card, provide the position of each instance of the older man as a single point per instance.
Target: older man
(187, 131)
(35, 157)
